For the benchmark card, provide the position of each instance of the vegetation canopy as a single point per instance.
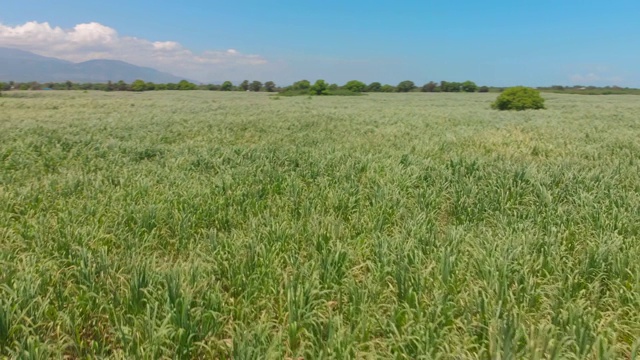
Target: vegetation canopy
(355, 86)
(319, 88)
(519, 98)
(406, 86)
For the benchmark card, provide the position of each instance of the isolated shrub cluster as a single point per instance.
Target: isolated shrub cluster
(519, 98)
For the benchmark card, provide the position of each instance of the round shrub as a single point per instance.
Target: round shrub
(519, 98)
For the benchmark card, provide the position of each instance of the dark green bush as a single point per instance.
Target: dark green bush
(519, 98)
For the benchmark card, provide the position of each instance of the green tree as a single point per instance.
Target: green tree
(255, 86)
(387, 88)
(319, 88)
(138, 85)
(519, 98)
(333, 87)
(469, 86)
(149, 86)
(301, 85)
(406, 86)
(483, 89)
(355, 86)
(429, 87)
(446, 86)
(186, 85)
(244, 86)
(2, 85)
(122, 86)
(226, 86)
(374, 87)
(270, 86)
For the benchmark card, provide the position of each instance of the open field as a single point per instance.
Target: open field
(235, 225)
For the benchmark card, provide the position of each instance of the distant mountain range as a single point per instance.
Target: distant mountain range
(22, 66)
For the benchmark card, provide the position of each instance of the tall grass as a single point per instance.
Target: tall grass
(225, 225)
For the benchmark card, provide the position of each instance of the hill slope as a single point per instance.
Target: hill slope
(21, 66)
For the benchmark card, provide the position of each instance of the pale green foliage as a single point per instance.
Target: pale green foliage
(519, 98)
(355, 86)
(387, 88)
(138, 85)
(301, 85)
(220, 225)
(186, 85)
(469, 86)
(320, 87)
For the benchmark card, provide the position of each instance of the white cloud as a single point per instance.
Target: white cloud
(166, 45)
(596, 74)
(596, 79)
(585, 78)
(96, 41)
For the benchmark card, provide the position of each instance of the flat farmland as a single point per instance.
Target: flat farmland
(200, 224)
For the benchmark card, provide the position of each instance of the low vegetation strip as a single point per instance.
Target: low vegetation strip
(225, 225)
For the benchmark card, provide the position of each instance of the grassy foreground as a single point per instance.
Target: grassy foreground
(232, 225)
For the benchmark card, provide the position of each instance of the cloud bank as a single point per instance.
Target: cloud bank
(596, 78)
(96, 41)
(596, 74)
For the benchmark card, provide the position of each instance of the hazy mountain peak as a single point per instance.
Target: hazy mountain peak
(19, 65)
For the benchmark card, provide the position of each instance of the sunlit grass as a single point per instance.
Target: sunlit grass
(227, 225)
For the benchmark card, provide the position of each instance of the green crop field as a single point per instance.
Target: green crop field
(238, 225)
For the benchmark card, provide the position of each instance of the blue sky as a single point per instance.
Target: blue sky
(498, 43)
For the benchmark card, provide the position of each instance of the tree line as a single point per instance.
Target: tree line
(139, 85)
(256, 86)
(303, 86)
